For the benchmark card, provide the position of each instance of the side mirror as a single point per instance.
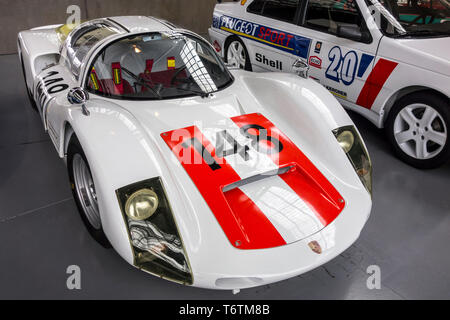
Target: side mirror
(353, 32)
(301, 68)
(79, 96)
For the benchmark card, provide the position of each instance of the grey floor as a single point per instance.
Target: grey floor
(41, 234)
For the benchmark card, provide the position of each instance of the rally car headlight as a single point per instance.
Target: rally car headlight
(141, 205)
(352, 144)
(155, 241)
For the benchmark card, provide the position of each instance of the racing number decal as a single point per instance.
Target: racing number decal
(348, 69)
(50, 84)
(342, 68)
(260, 141)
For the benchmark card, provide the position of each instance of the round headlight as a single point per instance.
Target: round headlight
(346, 139)
(142, 204)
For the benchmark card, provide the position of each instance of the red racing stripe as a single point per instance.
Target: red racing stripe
(245, 226)
(375, 82)
(305, 179)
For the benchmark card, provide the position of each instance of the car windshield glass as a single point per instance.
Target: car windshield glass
(157, 66)
(411, 18)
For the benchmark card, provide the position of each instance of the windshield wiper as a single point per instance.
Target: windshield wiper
(200, 93)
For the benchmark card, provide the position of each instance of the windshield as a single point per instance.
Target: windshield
(157, 66)
(411, 18)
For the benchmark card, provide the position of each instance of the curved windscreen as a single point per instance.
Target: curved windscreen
(414, 18)
(157, 66)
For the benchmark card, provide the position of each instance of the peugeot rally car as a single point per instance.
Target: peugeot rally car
(388, 60)
(205, 176)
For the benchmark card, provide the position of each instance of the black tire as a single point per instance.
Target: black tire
(439, 104)
(74, 149)
(228, 42)
(30, 96)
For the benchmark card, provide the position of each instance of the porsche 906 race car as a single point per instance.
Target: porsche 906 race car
(198, 174)
(388, 60)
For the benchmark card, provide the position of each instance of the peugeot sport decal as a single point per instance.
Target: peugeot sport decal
(275, 38)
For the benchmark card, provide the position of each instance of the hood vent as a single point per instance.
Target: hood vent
(257, 177)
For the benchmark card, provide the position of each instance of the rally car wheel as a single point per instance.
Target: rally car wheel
(83, 190)
(418, 128)
(236, 54)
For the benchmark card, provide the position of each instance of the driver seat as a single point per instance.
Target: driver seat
(163, 77)
(117, 85)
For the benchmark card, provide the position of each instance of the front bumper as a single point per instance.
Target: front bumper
(251, 268)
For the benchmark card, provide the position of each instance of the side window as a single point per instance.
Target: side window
(283, 10)
(256, 6)
(84, 40)
(327, 15)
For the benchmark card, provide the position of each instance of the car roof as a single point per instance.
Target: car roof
(135, 24)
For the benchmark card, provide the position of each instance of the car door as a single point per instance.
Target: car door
(275, 47)
(343, 50)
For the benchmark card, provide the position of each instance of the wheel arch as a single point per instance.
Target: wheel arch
(248, 49)
(396, 96)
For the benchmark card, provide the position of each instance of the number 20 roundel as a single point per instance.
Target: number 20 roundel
(248, 146)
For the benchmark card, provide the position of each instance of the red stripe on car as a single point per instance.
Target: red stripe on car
(304, 179)
(245, 226)
(375, 82)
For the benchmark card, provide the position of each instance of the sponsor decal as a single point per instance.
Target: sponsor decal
(275, 64)
(243, 2)
(221, 158)
(337, 92)
(171, 63)
(315, 62)
(318, 47)
(275, 38)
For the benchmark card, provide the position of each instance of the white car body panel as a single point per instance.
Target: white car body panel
(122, 142)
(422, 63)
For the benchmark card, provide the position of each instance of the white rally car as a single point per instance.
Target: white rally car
(192, 172)
(389, 60)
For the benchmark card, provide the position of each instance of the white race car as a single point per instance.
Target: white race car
(388, 60)
(205, 176)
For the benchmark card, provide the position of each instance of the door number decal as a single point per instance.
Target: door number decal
(342, 68)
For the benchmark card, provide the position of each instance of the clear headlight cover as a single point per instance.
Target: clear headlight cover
(353, 146)
(155, 240)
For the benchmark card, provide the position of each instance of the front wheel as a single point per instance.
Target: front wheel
(84, 192)
(417, 128)
(236, 54)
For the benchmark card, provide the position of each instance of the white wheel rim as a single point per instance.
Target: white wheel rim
(420, 131)
(84, 186)
(236, 55)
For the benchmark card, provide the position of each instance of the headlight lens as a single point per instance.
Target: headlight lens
(346, 139)
(155, 240)
(141, 205)
(353, 146)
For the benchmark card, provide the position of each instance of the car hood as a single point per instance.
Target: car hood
(431, 54)
(264, 193)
